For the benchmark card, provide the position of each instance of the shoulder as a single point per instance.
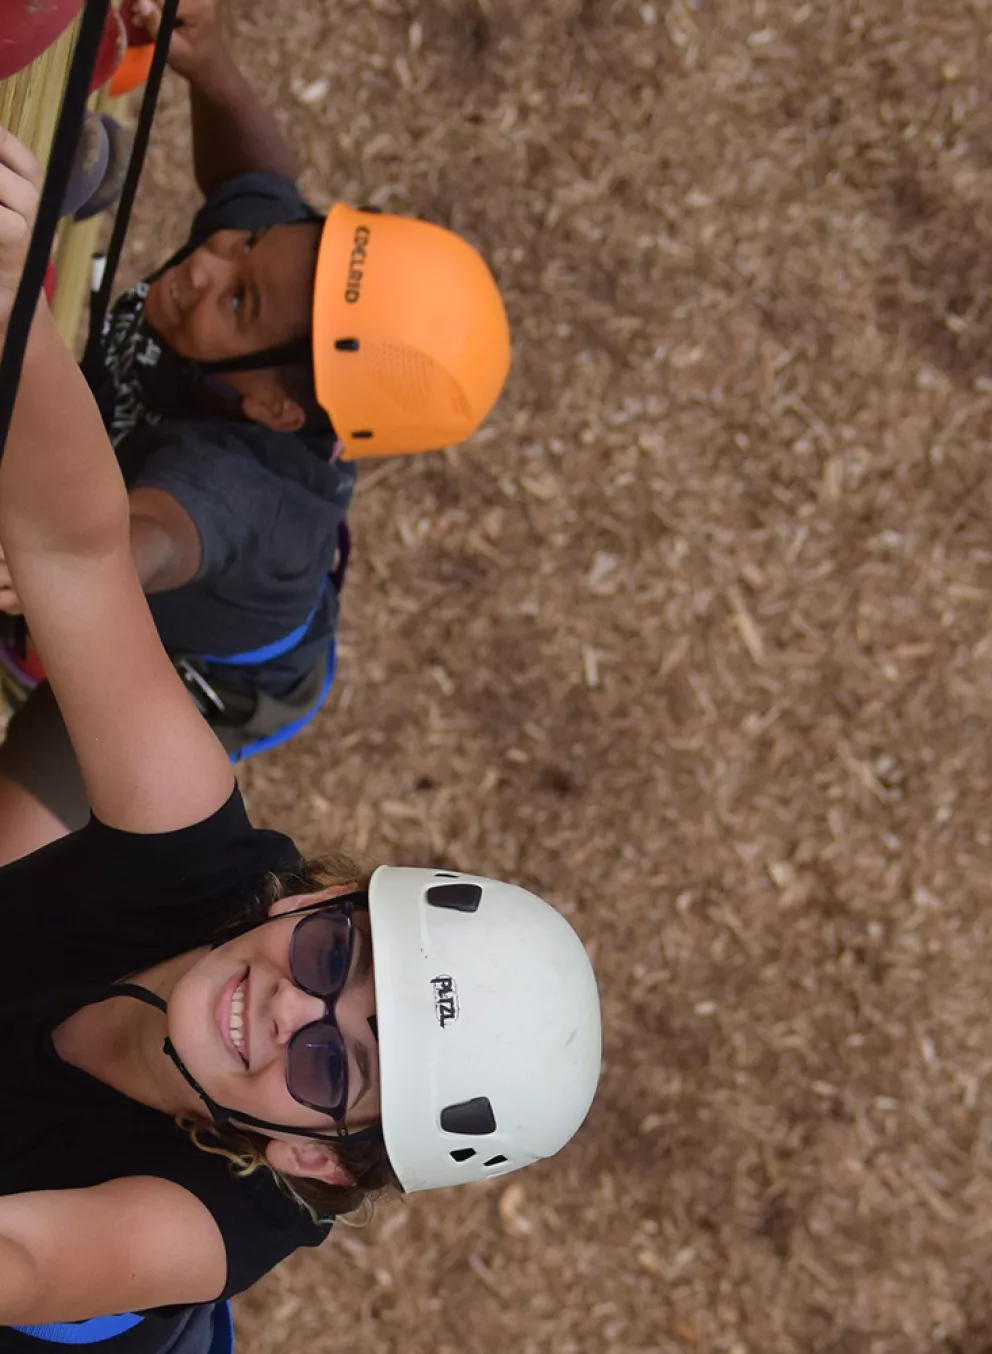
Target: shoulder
(220, 848)
(166, 889)
(217, 458)
(259, 1222)
(212, 472)
(207, 455)
(251, 202)
(135, 899)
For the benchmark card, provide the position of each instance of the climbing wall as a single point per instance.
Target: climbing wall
(29, 106)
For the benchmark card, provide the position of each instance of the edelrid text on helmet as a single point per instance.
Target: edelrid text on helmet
(356, 265)
(411, 344)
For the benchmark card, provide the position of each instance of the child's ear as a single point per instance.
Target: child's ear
(305, 1157)
(271, 406)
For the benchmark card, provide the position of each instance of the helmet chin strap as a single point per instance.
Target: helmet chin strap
(286, 355)
(220, 1114)
(299, 352)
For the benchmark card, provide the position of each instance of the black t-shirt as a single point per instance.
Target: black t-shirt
(267, 505)
(93, 908)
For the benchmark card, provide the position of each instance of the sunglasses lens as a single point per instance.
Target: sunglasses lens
(317, 1068)
(321, 953)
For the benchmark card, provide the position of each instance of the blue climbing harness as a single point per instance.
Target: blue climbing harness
(104, 1328)
(200, 686)
(83, 1332)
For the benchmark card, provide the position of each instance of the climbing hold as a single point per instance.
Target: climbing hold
(119, 142)
(29, 27)
(20, 670)
(137, 63)
(89, 164)
(50, 282)
(111, 51)
(133, 71)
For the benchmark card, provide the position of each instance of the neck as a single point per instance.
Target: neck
(119, 1041)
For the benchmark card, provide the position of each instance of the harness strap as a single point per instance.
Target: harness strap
(286, 355)
(290, 730)
(83, 1332)
(266, 652)
(278, 647)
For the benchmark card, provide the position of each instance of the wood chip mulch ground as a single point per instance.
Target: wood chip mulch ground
(694, 638)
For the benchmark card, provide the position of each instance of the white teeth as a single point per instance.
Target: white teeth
(237, 1018)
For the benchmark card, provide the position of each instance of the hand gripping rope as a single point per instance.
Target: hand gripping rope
(57, 175)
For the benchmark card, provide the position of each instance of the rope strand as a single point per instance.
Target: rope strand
(49, 208)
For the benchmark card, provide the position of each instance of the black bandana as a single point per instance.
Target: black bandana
(141, 380)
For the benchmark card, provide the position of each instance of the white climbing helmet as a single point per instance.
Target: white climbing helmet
(488, 1021)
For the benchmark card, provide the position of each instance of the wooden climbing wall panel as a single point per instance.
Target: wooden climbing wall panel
(29, 106)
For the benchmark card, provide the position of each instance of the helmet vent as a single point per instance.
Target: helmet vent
(457, 897)
(464, 1154)
(493, 1161)
(348, 345)
(473, 1118)
(404, 374)
(413, 380)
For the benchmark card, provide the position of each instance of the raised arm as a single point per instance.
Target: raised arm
(149, 760)
(233, 131)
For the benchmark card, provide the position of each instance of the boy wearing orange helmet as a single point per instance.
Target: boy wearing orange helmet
(238, 385)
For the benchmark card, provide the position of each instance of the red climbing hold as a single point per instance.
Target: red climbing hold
(111, 51)
(137, 63)
(133, 70)
(29, 26)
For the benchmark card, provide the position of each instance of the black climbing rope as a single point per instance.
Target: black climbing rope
(60, 160)
(100, 303)
(50, 206)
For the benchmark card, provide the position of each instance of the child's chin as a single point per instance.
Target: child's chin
(155, 310)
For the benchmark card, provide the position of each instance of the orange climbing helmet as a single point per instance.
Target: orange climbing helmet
(411, 344)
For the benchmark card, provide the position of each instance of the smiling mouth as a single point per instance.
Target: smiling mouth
(238, 1021)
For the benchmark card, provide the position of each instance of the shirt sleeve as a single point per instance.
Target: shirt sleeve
(250, 202)
(232, 500)
(214, 858)
(121, 901)
(259, 1222)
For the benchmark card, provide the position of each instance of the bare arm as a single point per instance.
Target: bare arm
(233, 131)
(165, 544)
(149, 760)
(165, 547)
(69, 1255)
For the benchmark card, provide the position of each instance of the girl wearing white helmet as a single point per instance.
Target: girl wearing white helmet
(177, 980)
